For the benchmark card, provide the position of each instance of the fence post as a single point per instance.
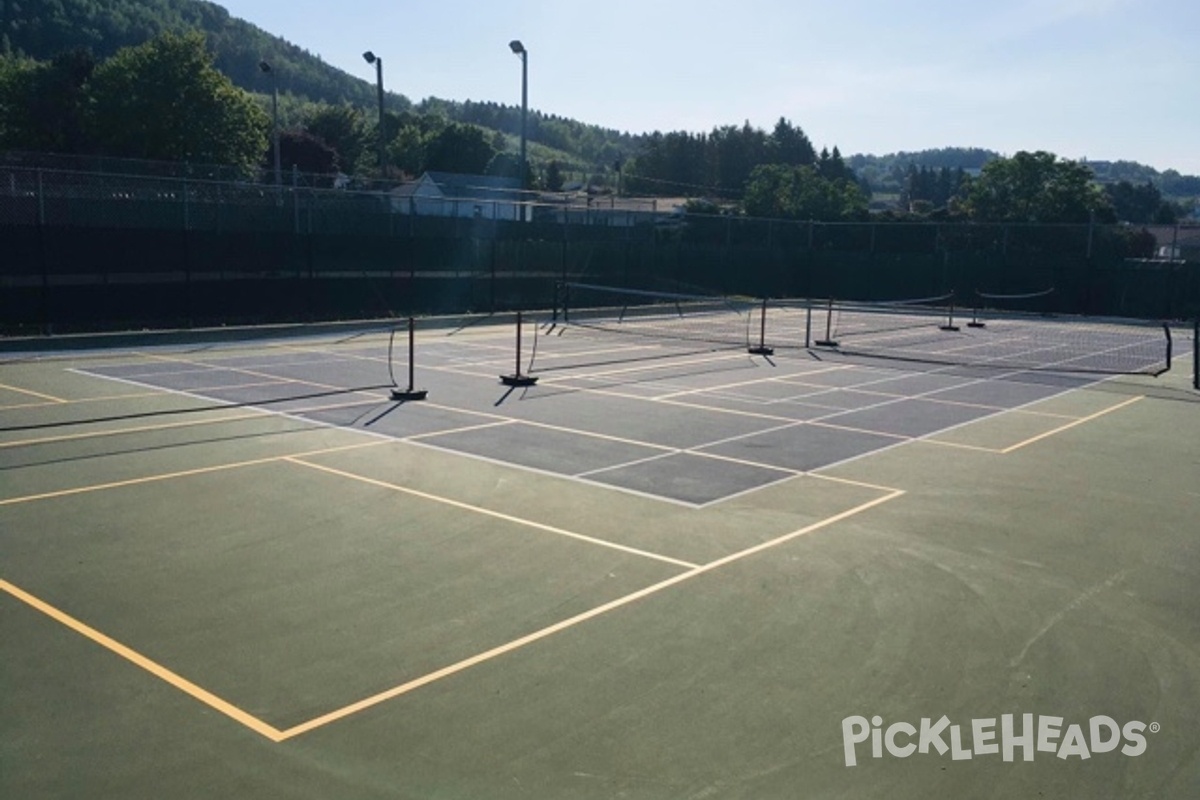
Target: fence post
(41, 200)
(187, 258)
(295, 202)
(47, 327)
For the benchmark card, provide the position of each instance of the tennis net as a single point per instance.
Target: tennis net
(710, 320)
(999, 331)
(842, 320)
(1003, 338)
(988, 303)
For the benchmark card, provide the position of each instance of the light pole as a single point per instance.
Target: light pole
(371, 58)
(519, 49)
(265, 67)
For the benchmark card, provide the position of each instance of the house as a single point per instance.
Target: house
(582, 207)
(446, 194)
(1179, 242)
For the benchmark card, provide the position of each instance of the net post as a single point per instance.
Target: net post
(950, 326)
(976, 322)
(828, 341)
(1170, 346)
(410, 393)
(518, 378)
(761, 348)
(808, 323)
(1196, 354)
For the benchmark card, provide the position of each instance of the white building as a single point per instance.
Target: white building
(444, 194)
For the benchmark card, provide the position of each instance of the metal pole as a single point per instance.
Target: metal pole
(412, 335)
(266, 67)
(382, 143)
(411, 392)
(44, 299)
(519, 50)
(519, 326)
(371, 58)
(524, 118)
(1196, 354)
(275, 125)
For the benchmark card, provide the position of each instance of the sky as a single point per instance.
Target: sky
(1115, 80)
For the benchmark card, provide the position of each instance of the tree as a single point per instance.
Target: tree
(508, 165)
(1139, 204)
(459, 148)
(781, 191)
(554, 177)
(789, 145)
(41, 103)
(305, 152)
(342, 128)
(406, 151)
(164, 100)
(832, 167)
(504, 165)
(1037, 187)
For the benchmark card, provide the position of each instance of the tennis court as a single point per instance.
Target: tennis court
(595, 564)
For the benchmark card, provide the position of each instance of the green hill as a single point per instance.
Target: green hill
(40, 29)
(43, 29)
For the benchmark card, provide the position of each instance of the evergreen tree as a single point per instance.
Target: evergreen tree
(554, 178)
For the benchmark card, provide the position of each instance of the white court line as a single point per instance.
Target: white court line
(487, 512)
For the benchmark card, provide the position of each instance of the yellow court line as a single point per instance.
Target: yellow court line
(960, 446)
(137, 429)
(182, 474)
(1036, 413)
(494, 514)
(76, 401)
(571, 622)
(851, 482)
(32, 393)
(153, 667)
(1070, 425)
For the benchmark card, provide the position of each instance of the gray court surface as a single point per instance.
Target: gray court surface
(662, 571)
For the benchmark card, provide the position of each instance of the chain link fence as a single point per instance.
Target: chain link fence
(103, 249)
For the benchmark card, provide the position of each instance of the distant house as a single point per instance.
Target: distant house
(1176, 242)
(445, 194)
(583, 208)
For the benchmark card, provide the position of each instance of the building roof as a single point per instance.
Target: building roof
(483, 187)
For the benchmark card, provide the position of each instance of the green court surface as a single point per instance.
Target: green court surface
(245, 571)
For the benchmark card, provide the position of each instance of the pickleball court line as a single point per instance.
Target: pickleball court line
(47, 397)
(558, 627)
(274, 734)
(153, 667)
(487, 512)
